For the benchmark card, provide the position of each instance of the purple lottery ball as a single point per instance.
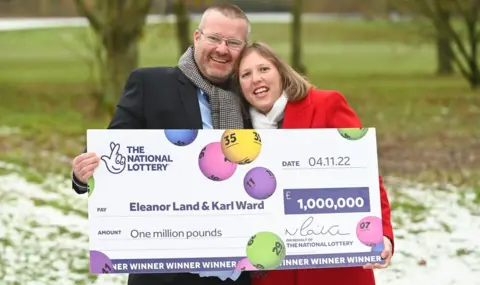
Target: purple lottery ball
(378, 247)
(100, 263)
(213, 164)
(260, 183)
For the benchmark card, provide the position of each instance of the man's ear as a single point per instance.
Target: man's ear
(196, 36)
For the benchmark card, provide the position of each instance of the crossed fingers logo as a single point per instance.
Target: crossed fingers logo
(115, 161)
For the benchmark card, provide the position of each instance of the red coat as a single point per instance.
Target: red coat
(326, 109)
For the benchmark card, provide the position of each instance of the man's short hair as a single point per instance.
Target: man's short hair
(228, 10)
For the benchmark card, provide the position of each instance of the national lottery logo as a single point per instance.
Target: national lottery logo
(134, 158)
(115, 161)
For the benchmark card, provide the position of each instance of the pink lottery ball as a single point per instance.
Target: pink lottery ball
(370, 231)
(245, 265)
(213, 164)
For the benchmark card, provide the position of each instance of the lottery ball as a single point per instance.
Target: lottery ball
(245, 265)
(100, 263)
(353, 133)
(266, 251)
(259, 183)
(370, 231)
(181, 137)
(213, 163)
(378, 247)
(241, 146)
(91, 185)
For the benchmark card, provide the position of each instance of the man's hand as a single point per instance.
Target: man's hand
(386, 255)
(84, 165)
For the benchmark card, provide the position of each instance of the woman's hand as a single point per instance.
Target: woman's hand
(386, 255)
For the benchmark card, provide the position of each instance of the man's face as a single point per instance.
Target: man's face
(218, 45)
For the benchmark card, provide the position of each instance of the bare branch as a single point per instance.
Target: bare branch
(458, 62)
(89, 14)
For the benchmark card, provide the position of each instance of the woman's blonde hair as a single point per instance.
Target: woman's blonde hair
(295, 85)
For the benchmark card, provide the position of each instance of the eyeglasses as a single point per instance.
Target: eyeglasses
(216, 40)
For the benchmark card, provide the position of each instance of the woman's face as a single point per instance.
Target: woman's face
(260, 81)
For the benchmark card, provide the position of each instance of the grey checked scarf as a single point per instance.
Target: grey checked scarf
(225, 104)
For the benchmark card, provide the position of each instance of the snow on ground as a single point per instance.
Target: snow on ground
(44, 235)
(437, 237)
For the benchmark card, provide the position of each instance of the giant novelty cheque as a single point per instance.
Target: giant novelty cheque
(166, 201)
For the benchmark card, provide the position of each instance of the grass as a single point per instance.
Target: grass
(426, 124)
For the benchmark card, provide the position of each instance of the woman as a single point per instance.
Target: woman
(281, 98)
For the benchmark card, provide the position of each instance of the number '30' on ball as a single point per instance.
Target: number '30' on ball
(266, 250)
(213, 164)
(353, 133)
(241, 146)
(181, 137)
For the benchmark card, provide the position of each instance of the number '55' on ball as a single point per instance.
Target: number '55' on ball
(241, 146)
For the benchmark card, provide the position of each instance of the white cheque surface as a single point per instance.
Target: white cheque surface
(213, 200)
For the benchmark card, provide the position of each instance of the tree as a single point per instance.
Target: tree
(444, 48)
(451, 18)
(118, 25)
(181, 11)
(430, 31)
(465, 54)
(296, 32)
(183, 25)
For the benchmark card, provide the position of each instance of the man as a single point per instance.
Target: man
(196, 94)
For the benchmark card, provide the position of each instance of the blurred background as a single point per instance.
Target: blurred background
(409, 68)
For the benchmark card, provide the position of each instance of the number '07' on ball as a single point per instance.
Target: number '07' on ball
(370, 231)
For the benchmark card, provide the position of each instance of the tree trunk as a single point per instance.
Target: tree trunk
(444, 56)
(183, 25)
(444, 49)
(118, 26)
(117, 67)
(296, 32)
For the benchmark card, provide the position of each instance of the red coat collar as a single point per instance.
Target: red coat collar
(298, 114)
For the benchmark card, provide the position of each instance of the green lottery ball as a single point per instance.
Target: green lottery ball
(91, 185)
(266, 251)
(353, 133)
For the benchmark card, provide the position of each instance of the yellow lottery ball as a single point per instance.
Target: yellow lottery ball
(241, 146)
